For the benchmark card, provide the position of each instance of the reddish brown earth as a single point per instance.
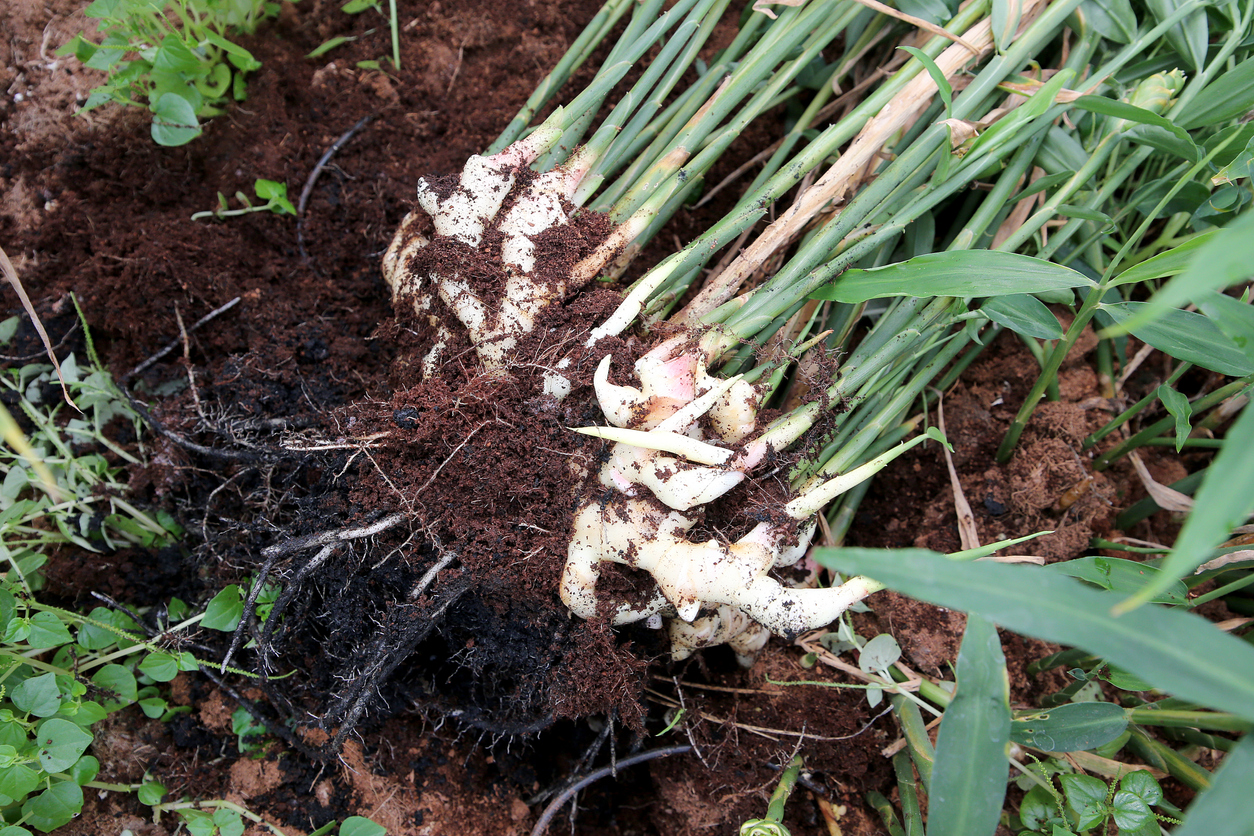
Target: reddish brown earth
(91, 206)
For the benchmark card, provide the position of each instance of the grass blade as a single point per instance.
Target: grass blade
(1224, 259)
(958, 273)
(1224, 809)
(1173, 262)
(1233, 317)
(1184, 335)
(1227, 97)
(969, 782)
(1154, 643)
(1222, 503)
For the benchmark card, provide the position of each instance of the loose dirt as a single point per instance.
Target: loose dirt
(487, 715)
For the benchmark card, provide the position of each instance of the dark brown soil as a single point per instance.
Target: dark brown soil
(310, 353)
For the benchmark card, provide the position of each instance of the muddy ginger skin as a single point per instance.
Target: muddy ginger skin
(681, 439)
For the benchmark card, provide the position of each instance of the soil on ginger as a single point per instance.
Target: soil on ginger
(89, 205)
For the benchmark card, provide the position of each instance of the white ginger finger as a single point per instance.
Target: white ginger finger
(735, 416)
(788, 612)
(675, 483)
(485, 182)
(681, 445)
(686, 418)
(619, 403)
(618, 531)
(405, 243)
(539, 209)
(726, 625)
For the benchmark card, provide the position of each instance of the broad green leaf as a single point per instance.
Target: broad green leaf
(174, 56)
(1178, 406)
(84, 769)
(151, 793)
(1113, 19)
(1227, 97)
(1023, 314)
(119, 682)
(1074, 727)
(92, 637)
(1224, 500)
(1143, 786)
(1130, 811)
(39, 695)
(1037, 808)
(1189, 37)
(960, 273)
(1086, 797)
(14, 830)
(18, 780)
(199, 823)
(226, 609)
(943, 86)
(46, 630)
(1005, 18)
(61, 743)
(1119, 575)
(1155, 643)
(216, 82)
(84, 714)
(969, 777)
(361, 826)
(161, 667)
(276, 194)
(353, 7)
(241, 58)
(153, 707)
(1233, 317)
(1221, 207)
(229, 822)
(54, 807)
(1168, 141)
(1184, 335)
(1125, 681)
(878, 653)
(174, 120)
(1173, 262)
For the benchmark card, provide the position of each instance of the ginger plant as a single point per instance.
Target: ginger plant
(682, 436)
(712, 421)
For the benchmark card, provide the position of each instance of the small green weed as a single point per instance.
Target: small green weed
(272, 192)
(1086, 803)
(84, 503)
(173, 58)
(225, 818)
(353, 7)
(49, 705)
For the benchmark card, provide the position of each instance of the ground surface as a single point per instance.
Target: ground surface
(91, 206)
